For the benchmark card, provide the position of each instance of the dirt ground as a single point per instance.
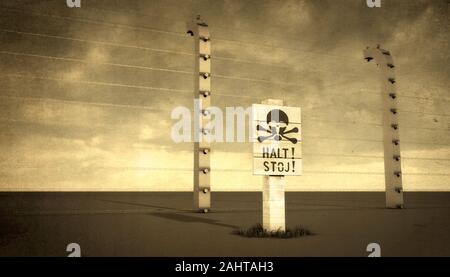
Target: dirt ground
(163, 224)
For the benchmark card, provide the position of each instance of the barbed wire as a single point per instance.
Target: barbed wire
(180, 34)
(304, 154)
(305, 138)
(97, 83)
(423, 113)
(173, 33)
(145, 68)
(214, 26)
(172, 52)
(95, 22)
(161, 31)
(100, 104)
(97, 42)
(240, 60)
(214, 75)
(97, 104)
(170, 19)
(236, 170)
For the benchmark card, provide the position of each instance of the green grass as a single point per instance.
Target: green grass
(258, 231)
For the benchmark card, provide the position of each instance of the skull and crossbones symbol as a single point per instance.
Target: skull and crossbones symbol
(277, 120)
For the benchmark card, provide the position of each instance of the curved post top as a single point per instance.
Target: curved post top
(378, 54)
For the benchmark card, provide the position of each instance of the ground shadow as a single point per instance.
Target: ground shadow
(146, 205)
(192, 219)
(176, 215)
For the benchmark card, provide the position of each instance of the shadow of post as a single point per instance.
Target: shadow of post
(191, 219)
(175, 214)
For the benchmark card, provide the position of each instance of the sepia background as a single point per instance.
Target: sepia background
(86, 94)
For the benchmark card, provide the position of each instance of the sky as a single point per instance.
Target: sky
(88, 93)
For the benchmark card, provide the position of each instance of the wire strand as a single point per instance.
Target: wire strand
(97, 83)
(178, 34)
(98, 42)
(144, 48)
(144, 68)
(190, 54)
(166, 32)
(147, 68)
(95, 63)
(97, 22)
(82, 103)
(163, 89)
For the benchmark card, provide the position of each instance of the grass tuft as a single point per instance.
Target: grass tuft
(258, 231)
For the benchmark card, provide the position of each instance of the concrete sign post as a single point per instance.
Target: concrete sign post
(276, 153)
(202, 93)
(392, 158)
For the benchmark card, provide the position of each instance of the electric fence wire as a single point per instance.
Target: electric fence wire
(185, 72)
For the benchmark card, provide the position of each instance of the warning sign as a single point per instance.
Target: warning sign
(276, 140)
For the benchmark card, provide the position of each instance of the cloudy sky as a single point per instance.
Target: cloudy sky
(87, 93)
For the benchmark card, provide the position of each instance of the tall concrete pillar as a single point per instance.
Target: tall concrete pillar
(391, 138)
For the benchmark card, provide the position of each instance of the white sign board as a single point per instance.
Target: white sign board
(277, 140)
